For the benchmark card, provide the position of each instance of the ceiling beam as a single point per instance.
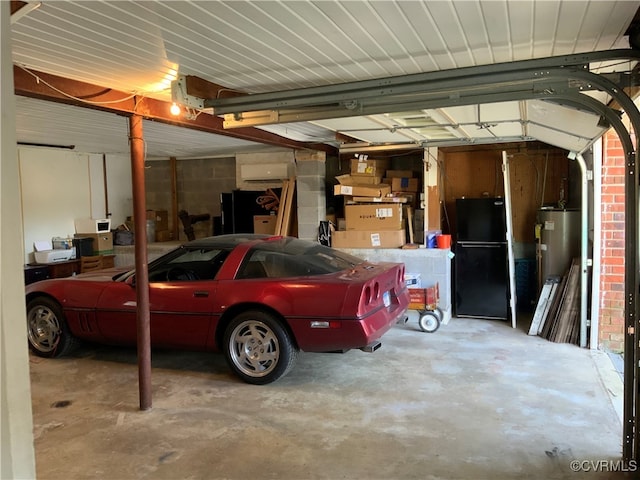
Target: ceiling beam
(43, 86)
(199, 87)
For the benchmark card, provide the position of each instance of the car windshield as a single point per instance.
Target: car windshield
(293, 258)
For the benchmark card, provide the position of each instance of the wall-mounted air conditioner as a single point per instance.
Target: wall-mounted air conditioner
(263, 171)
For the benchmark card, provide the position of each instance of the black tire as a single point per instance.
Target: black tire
(429, 322)
(47, 330)
(258, 348)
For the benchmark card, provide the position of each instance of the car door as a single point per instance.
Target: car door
(181, 300)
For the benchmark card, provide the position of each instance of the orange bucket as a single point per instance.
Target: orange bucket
(443, 241)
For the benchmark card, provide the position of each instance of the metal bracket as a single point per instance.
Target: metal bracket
(179, 94)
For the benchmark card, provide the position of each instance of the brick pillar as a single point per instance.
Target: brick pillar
(611, 334)
(310, 192)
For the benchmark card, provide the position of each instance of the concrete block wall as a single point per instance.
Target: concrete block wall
(199, 185)
(611, 319)
(157, 179)
(201, 181)
(433, 265)
(310, 193)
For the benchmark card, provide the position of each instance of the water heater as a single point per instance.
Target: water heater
(559, 241)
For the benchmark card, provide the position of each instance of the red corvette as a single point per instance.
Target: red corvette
(257, 298)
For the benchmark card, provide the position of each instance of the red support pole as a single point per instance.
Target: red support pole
(142, 274)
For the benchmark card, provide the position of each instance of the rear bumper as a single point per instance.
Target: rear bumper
(346, 334)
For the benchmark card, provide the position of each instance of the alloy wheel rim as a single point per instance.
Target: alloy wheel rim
(254, 348)
(44, 329)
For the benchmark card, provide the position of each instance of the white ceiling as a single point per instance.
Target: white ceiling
(263, 46)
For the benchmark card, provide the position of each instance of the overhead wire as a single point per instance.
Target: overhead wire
(193, 113)
(73, 97)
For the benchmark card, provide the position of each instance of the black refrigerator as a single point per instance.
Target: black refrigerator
(238, 208)
(481, 275)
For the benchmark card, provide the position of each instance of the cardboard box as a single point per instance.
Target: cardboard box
(365, 179)
(380, 199)
(399, 174)
(164, 235)
(379, 190)
(373, 217)
(264, 224)
(403, 184)
(368, 239)
(348, 179)
(369, 167)
(92, 225)
(161, 217)
(102, 242)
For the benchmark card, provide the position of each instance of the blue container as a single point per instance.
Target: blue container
(431, 241)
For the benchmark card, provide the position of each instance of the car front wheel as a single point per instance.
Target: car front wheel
(258, 348)
(47, 329)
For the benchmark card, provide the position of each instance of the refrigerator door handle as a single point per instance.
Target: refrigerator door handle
(480, 245)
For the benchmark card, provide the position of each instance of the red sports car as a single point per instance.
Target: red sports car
(258, 298)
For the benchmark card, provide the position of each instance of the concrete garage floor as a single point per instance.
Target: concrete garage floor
(477, 399)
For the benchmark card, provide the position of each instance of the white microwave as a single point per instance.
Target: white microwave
(93, 225)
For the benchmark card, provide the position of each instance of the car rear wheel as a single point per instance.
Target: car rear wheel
(258, 348)
(47, 330)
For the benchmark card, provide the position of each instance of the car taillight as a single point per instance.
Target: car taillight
(370, 296)
(367, 295)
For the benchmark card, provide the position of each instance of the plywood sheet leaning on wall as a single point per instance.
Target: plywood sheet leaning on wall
(284, 219)
(564, 326)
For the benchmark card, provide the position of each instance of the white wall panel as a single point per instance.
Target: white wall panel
(119, 188)
(55, 191)
(96, 186)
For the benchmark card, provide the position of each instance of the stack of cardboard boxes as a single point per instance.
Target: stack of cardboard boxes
(99, 231)
(375, 210)
(161, 217)
(159, 230)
